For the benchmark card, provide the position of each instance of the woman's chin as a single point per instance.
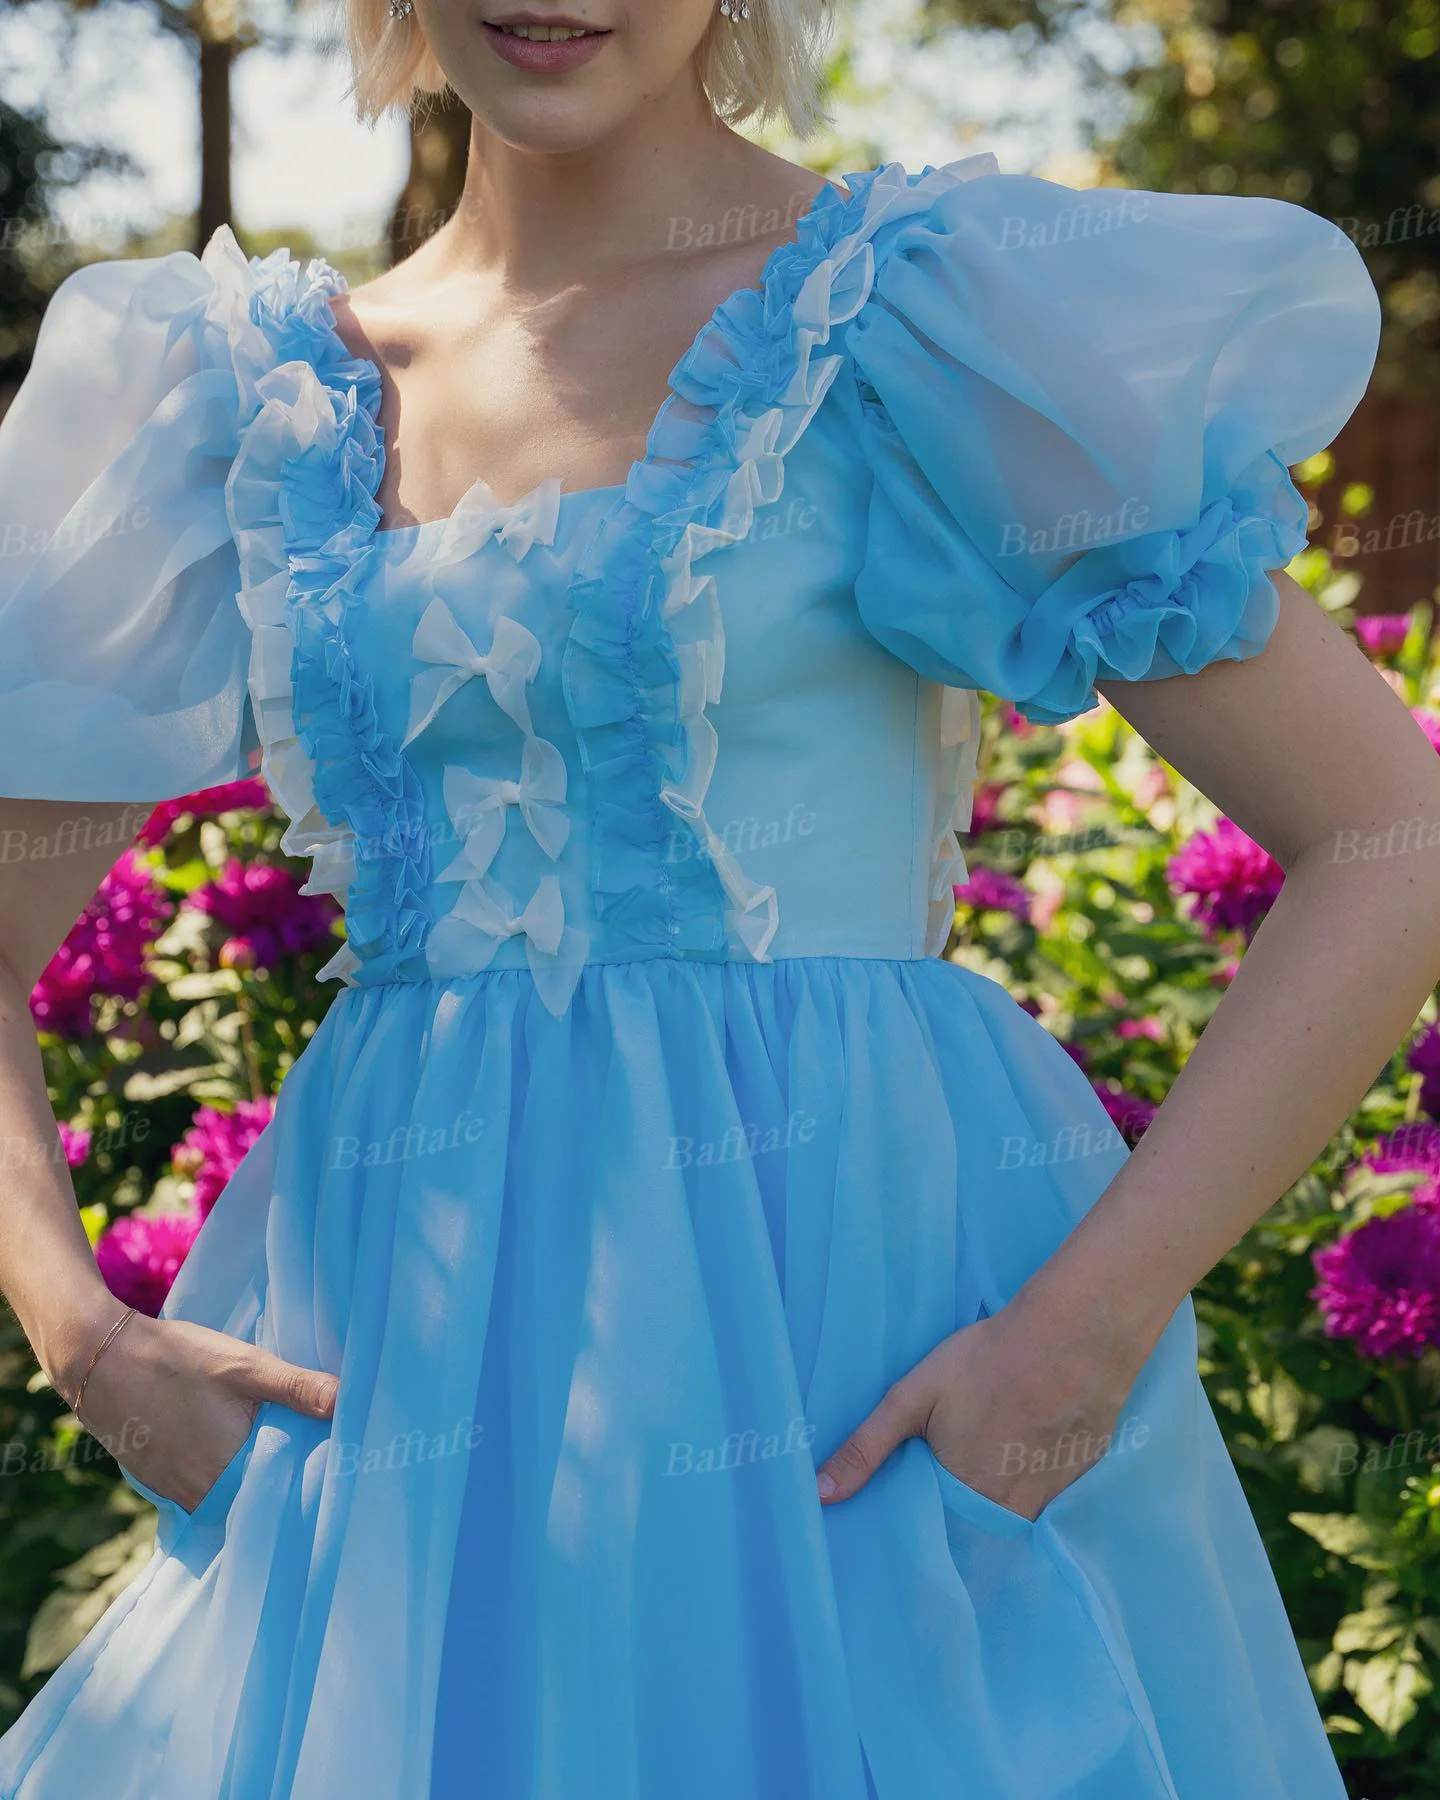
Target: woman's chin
(550, 124)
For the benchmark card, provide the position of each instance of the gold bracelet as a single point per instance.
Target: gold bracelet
(103, 1346)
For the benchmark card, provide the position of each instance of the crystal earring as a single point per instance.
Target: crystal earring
(734, 9)
(401, 9)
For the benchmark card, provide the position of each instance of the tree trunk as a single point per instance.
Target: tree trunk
(216, 56)
(439, 151)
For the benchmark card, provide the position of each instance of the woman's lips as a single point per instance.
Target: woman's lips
(548, 58)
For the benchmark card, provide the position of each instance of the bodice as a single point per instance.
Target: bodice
(807, 810)
(969, 431)
(631, 722)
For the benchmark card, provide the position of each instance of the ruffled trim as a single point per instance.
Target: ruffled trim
(310, 454)
(1185, 599)
(646, 653)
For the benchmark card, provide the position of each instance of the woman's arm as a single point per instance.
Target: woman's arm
(1309, 750)
(1312, 753)
(53, 856)
(173, 1399)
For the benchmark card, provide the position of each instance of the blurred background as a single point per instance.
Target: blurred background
(1101, 889)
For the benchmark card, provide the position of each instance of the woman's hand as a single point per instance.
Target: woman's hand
(1008, 1407)
(174, 1401)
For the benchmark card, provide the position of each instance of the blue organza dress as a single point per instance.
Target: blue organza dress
(648, 1138)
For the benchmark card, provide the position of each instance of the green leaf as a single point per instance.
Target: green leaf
(84, 1591)
(208, 985)
(1343, 1534)
(141, 1087)
(1325, 1675)
(1375, 1628)
(1388, 1689)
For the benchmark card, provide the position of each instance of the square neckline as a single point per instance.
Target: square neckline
(829, 192)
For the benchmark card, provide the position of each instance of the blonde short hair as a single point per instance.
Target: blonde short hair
(769, 65)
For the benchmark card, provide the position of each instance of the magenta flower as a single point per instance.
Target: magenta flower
(1380, 1284)
(1232, 882)
(229, 796)
(1129, 1114)
(266, 915)
(985, 808)
(1424, 1058)
(1382, 634)
(990, 891)
(105, 950)
(1410, 1149)
(140, 1256)
(1428, 723)
(76, 1142)
(1147, 1027)
(212, 1149)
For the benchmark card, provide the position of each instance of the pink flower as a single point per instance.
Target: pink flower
(1380, 1284)
(985, 808)
(1382, 634)
(1424, 1058)
(1428, 723)
(1014, 720)
(1137, 1028)
(105, 950)
(1232, 881)
(212, 1149)
(229, 796)
(990, 891)
(1045, 907)
(140, 1256)
(1062, 807)
(267, 916)
(1129, 1114)
(1410, 1149)
(1153, 785)
(76, 1141)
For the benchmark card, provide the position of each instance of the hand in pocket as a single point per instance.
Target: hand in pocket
(174, 1402)
(1004, 1412)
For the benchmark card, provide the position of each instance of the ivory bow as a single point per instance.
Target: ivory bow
(476, 805)
(512, 659)
(529, 521)
(468, 936)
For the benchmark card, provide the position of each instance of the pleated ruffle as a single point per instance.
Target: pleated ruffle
(301, 498)
(646, 654)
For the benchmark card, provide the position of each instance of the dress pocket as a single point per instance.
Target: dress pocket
(978, 1508)
(981, 1510)
(177, 1521)
(1055, 1676)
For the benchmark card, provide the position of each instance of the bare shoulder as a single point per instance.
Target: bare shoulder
(402, 281)
(388, 299)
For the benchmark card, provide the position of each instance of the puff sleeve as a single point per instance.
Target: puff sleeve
(1079, 409)
(123, 653)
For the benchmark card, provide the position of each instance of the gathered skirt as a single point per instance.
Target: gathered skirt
(601, 1292)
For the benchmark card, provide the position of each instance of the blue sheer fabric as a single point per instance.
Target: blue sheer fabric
(648, 1140)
